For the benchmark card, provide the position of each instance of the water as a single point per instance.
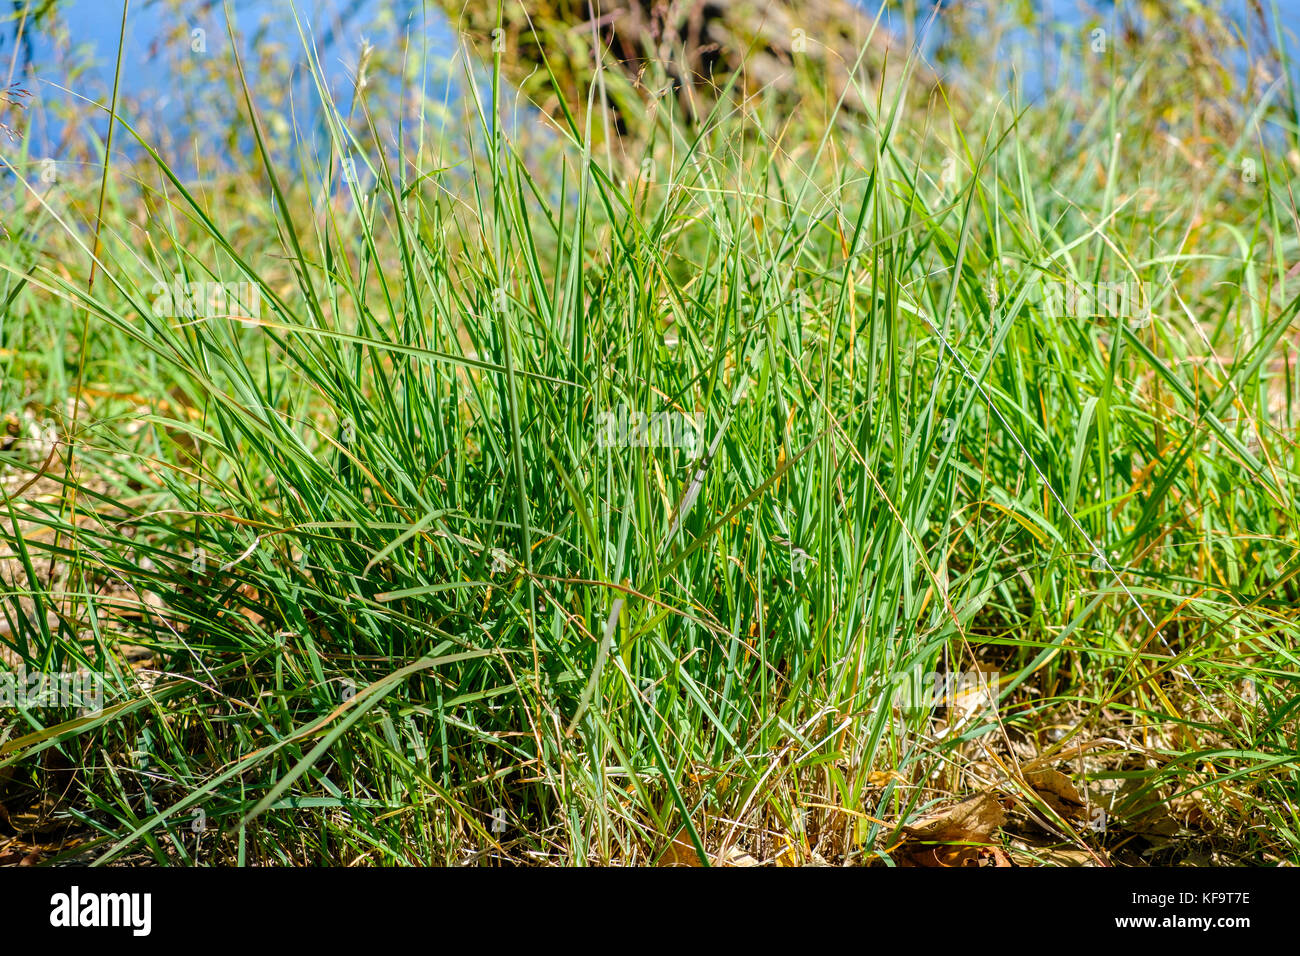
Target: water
(168, 92)
(175, 84)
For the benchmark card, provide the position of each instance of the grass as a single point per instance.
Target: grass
(365, 585)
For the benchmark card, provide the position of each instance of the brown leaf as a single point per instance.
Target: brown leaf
(975, 817)
(953, 836)
(879, 778)
(681, 852)
(1057, 792)
(738, 857)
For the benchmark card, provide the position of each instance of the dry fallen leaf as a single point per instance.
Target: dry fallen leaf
(955, 836)
(878, 778)
(736, 857)
(789, 854)
(979, 815)
(682, 853)
(1057, 791)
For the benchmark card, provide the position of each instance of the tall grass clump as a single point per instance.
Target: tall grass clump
(318, 474)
